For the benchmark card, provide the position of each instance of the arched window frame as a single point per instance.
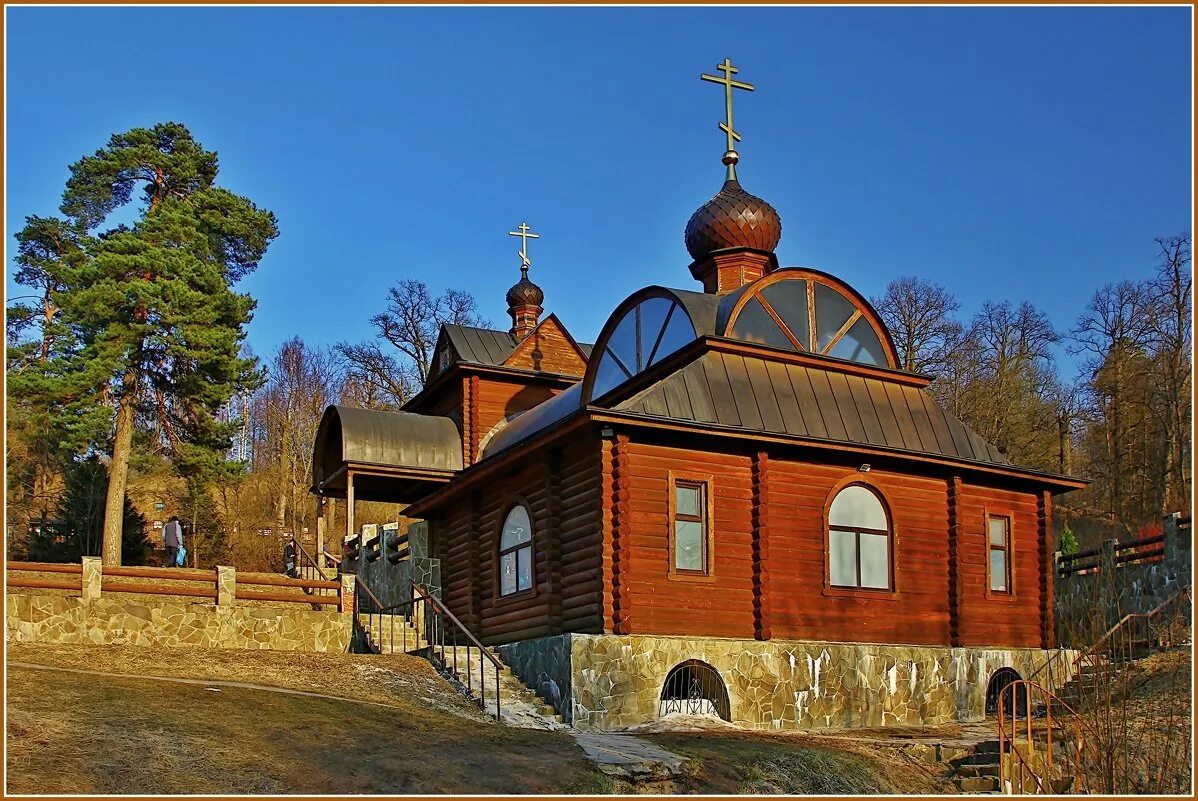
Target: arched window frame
(804, 343)
(651, 352)
(891, 593)
(500, 552)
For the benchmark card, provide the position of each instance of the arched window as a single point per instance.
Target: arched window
(805, 310)
(1003, 678)
(859, 541)
(515, 552)
(646, 333)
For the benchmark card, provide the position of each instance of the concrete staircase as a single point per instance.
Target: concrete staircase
(980, 772)
(1095, 680)
(518, 705)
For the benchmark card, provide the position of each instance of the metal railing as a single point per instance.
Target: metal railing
(434, 630)
(1121, 640)
(1026, 760)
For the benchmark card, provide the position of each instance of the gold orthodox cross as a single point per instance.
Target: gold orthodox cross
(524, 235)
(731, 156)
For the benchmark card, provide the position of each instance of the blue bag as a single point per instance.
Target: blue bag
(180, 556)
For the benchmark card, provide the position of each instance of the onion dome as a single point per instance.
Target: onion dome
(525, 292)
(732, 219)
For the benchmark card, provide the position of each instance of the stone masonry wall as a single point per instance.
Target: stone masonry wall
(1086, 604)
(114, 620)
(369, 555)
(544, 666)
(616, 681)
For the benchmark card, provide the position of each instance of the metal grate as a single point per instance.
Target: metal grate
(999, 682)
(694, 688)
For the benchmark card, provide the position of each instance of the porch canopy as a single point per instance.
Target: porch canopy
(395, 457)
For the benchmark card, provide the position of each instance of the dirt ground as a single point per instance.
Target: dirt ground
(113, 734)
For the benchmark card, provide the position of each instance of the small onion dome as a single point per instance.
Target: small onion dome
(732, 219)
(525, 293)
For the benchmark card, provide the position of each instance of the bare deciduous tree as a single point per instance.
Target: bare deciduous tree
(410, 323)
(919, 315)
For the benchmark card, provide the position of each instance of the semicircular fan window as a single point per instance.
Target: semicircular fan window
(803, 314)
(646, 334)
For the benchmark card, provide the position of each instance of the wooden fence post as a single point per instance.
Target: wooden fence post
(93, 578)
(226, 585)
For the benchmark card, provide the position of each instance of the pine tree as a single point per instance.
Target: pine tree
(54, 409)
(81, 519)
(154, 303)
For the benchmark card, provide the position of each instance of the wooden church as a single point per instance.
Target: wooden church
(735, 480)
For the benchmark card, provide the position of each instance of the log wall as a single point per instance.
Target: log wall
(770, 556)
(567, 593)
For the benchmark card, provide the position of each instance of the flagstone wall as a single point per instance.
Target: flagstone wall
(616, 681)
(31, 617)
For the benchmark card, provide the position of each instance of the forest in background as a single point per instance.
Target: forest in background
(128, 358)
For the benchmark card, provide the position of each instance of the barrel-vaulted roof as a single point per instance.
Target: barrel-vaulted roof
(397, 451)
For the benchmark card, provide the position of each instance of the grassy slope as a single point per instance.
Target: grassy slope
(105, 734)
(118, 735)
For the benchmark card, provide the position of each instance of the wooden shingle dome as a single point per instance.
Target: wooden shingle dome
(525, 293)
(732, 219)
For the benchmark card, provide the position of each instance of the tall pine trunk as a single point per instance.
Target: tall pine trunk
(118, 475)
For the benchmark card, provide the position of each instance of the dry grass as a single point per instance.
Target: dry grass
(398, 680)
(73, 733)
(795, 764)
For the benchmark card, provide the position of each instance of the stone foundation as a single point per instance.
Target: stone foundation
(616, 681)
(117, 621)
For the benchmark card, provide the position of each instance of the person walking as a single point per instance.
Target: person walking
(172, 538)
(290, 552)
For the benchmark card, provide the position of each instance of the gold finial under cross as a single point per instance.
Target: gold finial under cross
(731, 156)
(524, 235)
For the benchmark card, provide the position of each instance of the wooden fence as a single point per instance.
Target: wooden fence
(1144, 549)
(221, 585)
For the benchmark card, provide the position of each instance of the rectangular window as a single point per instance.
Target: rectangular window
(689, 527)
(999, 548)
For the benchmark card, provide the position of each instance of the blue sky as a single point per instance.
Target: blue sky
(1004, 153)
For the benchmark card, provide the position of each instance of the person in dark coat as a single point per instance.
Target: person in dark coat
(172, 538)
(290, 555)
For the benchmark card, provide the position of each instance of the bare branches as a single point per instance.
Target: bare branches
(919, 315)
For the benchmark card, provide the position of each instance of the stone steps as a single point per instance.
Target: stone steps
(391, 636)
(519, 705)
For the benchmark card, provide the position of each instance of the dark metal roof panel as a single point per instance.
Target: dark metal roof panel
(480, 345)
(392, 439)
(759, 395)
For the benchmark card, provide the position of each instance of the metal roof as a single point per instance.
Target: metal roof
(401, 441)
(777, 398)
(535, 419)
(486, 345)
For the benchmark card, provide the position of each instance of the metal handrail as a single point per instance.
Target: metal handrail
(1126, 618)
(1004, 738)
(309, 562)
(436, 642)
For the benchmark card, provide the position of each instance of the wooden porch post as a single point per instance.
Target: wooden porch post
(320, 532)
(349, 503)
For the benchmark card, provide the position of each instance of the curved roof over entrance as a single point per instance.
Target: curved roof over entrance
(392, 456)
